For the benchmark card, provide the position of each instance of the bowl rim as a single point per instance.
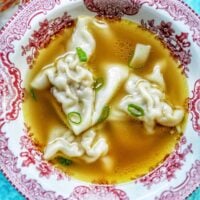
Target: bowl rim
(21, 8)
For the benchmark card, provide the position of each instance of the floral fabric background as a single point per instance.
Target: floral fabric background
(7, 8)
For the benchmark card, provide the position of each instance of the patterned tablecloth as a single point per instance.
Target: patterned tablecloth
(7, 191)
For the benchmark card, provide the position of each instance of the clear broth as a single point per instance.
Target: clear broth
(134, 152)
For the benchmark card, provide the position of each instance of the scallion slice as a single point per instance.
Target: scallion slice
(74, 117)
(33, 95)
(135, 110)
(81, 54)
(98, 84)
(104, 114)
(64, 161)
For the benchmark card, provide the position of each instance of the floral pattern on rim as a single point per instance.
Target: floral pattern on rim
(186, 187)
(194, 107)
(178, 45)
(42, 37)
(29, 187)
(11, 93)
(31, 155)
(97, 192)
(113, 8)
(22, 22)
(177, 10)
(169, 167)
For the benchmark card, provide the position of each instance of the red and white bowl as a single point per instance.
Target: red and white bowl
(29, 30)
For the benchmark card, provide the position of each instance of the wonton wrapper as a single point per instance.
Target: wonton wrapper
(72, 82)
(72, 86)
(87, 147)
(41, 81)
(157, 77)
(140, 55)
(152, 100)
(115, 77)
(62, 141)
(82, 37)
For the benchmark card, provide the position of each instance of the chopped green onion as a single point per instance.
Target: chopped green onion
(74, 117)
(98, 84)
(64, 161)
(81, 54)
(33, 95)
(135, 110)
(104, 114)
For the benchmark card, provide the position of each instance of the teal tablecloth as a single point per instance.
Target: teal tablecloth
(8, 192)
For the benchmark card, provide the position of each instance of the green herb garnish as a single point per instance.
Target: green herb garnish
(33, 95)
(74, 117)
(135, 110)
(64, 161)
(98, 84)
(104, 114)
(81, 54)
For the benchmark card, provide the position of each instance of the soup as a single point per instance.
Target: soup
(131, 146)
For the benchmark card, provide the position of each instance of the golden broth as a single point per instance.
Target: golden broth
(133, 151)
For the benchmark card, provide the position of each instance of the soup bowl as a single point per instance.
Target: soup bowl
(31, 29)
